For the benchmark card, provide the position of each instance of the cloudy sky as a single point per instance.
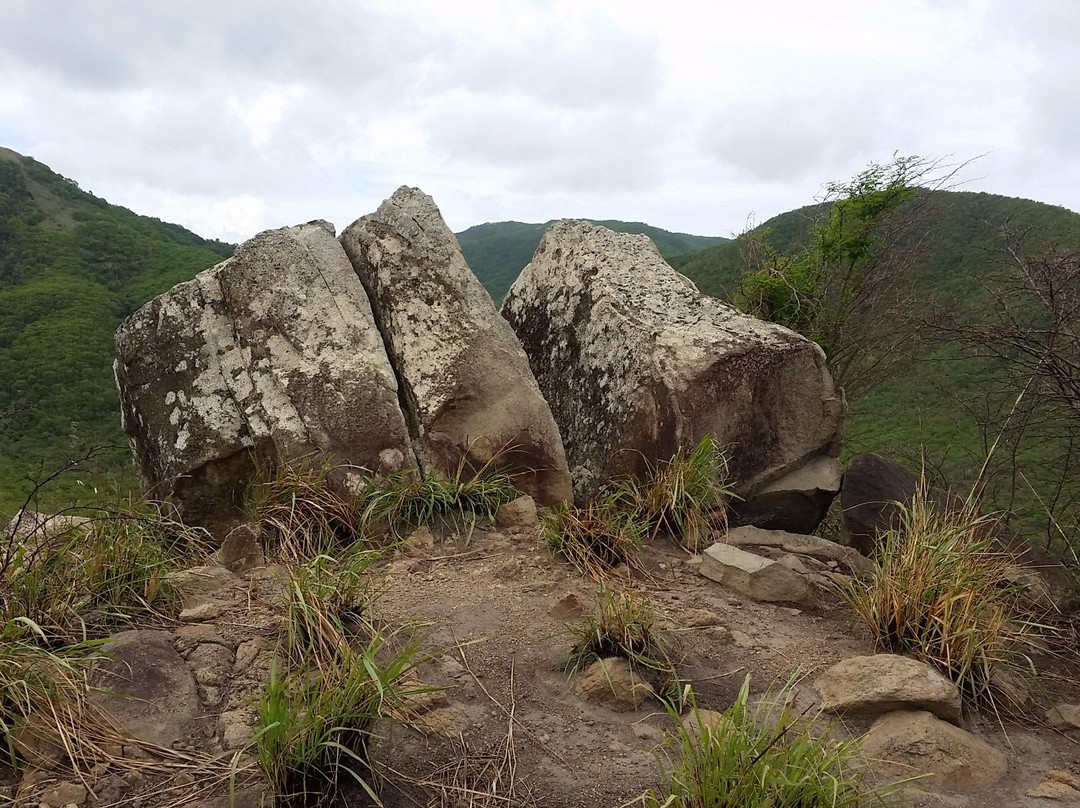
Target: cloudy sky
(236, 115)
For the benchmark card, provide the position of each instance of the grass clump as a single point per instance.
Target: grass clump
(596, 539)
(302, 510)
(327, 602)
(87, 579)
(315, 728)
(405, 500)
(685, 496)
(763, 754)
(625, 625)
(944, 593)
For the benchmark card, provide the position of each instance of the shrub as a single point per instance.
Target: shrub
(596, 539)
(314, 730)
(87, 580)
(944, 594)
(686, 496)
(762, 755)
(625, 625)
(303, 512)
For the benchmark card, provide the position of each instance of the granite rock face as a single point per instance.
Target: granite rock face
(637, 364)
(467, 388)
(272, 353)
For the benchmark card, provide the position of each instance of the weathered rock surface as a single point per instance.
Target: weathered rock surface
(799, 544)
(756, 577)
(273, 352)
(146, 685)
(465, 380)
(1059, 785)
(909, 743)
(38, 526)
(521, 513)
(242, 550)
(1065, 717)
(611, 683)
(797, 502)
(881, 683)
(636, 364)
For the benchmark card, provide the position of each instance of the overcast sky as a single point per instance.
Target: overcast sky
(233, 116)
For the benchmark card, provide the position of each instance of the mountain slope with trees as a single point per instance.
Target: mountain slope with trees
(498, 251)
(72, 267)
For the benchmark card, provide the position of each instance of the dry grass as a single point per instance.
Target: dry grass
(685, 496)
(597, 539)
(302, 510)
(943, 593)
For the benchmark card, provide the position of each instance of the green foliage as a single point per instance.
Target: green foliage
(945, 594)
(763, 754)
(625, 625)
(497, 252)
(315, 727)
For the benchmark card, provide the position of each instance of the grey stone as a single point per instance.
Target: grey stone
(146, 686)
(242, 550)
(909, 743)
(799, 544)
(466, 382)
(758, 578)
(31, 525)
(881, 683)
(637, 364)
(797, 502)
(519, 513)
(611, 683)
(273, 353)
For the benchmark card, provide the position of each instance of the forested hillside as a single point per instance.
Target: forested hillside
(498, 251)
(72, 267)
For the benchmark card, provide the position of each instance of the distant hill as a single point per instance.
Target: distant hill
(498, 251)
(72, 267)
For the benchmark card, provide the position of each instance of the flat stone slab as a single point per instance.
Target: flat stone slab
(756, 577)
(800, 544)
(881, 683)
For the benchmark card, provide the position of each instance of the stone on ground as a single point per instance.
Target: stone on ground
(797, 502)
(520, 513)
(799, 544)
(274, 354)
(1064, 716)
(909, 743)
(756, 577)
(611, 683)
(468, 388)
(1057, 784)
(37, 526)
(146, 686)
(242, 550)
(881, 683)
(637, 364)
(872, 487)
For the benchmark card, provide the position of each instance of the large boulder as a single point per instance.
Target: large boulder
(273, 353)
(637, 364)
(466, 382)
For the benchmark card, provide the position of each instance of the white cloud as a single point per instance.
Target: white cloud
(231, 117)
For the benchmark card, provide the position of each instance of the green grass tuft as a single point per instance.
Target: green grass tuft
(763, 754)
(625, 625)
(596, 539)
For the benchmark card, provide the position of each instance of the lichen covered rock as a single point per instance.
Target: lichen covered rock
(466, 382)
(637, 364)
(273, 353)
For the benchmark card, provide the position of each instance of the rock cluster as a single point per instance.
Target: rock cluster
(387, 356)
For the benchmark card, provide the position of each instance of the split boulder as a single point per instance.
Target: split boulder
(797, 502)
(273, 353)
(466, 382)
(637, 364)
